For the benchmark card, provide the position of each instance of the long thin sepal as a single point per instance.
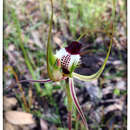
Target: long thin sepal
(39, 81)
(51, 59)
(73, 94)
(97, 74)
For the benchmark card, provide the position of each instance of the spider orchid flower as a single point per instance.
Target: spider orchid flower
(67, 59)
(61, 66)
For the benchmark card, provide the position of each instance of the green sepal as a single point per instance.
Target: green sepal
(97, 74)
(54, 72)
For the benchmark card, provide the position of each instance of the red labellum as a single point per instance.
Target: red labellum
(74, 48)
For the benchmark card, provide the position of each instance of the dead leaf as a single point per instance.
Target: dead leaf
(8, 126)
(53, 127)
(58, 41)
(43, 124)
(117, 106)
(9, 103)
(36, 39)
(107, 90)
(19, 118)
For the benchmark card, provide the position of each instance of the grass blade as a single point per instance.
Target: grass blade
(18, 29)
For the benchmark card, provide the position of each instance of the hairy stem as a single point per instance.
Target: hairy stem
(69, 121)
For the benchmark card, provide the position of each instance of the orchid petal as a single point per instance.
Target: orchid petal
(97, 74)
(39, 81)
(73, 94)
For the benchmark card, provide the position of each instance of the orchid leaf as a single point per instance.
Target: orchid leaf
(97, 74)
(75, 100)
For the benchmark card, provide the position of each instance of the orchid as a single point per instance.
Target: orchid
(61, 66)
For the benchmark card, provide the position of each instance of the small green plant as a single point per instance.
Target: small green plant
(61, 66)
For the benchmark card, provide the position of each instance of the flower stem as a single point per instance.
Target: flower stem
(69, 121)
(69, 104)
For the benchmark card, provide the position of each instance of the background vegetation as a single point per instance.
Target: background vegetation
(26, 25)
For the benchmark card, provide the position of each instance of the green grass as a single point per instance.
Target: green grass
(21, 44)
(85, 15)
